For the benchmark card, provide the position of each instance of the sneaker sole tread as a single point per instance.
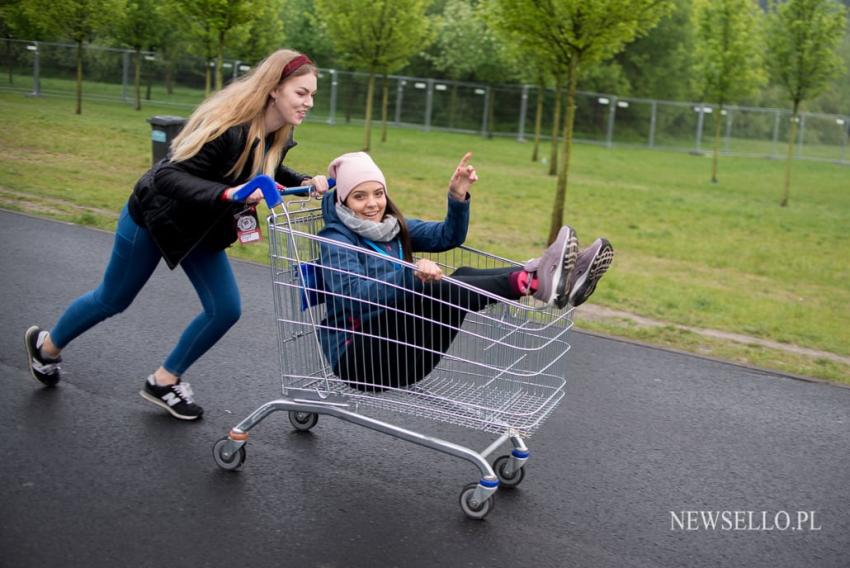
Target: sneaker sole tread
(598, 267)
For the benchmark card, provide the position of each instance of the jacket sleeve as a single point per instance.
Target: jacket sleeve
(199, 179)
(432, 236)
(288, 177)
(345, 275)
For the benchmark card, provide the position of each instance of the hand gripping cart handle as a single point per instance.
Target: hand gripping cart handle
(501, 371)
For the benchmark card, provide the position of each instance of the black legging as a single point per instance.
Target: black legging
(371, 362)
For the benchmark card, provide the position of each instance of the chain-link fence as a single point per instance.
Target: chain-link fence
(42, 68)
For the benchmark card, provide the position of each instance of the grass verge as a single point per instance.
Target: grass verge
(718, 256)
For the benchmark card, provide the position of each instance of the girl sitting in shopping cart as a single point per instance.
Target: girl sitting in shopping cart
(388, 324)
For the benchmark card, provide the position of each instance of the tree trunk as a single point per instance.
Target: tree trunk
(169, 78)
(538, 121)
(717, 122)
(137, 64)
(79, 109)
(563, 172)
(207, 80)
(370, 92)
(385, 101)
(11, 60)
(219, 63)
(556, 126)
(789, 156)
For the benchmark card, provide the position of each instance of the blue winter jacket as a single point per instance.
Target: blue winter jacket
(347, 280)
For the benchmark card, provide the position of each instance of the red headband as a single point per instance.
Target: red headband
(297, 62)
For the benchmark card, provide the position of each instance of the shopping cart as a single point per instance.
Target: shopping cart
(503, 373)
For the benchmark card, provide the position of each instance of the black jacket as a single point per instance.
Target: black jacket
(180, 203)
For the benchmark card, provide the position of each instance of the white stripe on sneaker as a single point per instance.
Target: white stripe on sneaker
(171, 399)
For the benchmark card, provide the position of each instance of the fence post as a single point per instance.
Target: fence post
(399, 98)
(609, 130)
(728, 130)
(846, 130)
(652, 124)
(236, 65)
(429, 104)
(523, 110)
(699, 128)
(776, 119)
(36, 69)
(802, 119)
(332, 106)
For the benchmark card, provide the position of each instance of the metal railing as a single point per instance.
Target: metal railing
(42, 68)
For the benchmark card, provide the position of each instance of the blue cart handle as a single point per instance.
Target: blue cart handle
(270, 191)
(304, 189)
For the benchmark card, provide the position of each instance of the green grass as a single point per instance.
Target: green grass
(722, 256)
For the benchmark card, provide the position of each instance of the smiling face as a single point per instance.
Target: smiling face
(368, 201)
(292, 99)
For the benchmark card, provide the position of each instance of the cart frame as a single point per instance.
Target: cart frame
(306, 395)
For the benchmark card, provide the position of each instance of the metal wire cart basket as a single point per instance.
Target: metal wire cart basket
(499, 369)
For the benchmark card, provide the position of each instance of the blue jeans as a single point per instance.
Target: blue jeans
(134, 258)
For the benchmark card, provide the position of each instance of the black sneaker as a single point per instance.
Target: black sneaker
(591, 265)
(176, 399)
(43, 369)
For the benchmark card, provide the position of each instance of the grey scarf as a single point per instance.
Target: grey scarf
(382, 232)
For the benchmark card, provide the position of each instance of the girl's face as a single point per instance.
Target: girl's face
(368, 201)
(294, 98)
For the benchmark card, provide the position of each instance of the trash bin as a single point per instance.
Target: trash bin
(164, 129)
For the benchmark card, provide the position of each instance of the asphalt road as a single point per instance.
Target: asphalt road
(91, 475)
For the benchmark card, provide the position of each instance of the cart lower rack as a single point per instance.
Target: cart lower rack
(355, 341)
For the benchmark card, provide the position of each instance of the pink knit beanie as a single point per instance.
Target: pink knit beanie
(352, 169)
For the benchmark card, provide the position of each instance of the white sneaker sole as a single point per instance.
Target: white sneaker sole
(561, 279)
(159, 403)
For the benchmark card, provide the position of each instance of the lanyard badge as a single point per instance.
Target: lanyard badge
(247, 226)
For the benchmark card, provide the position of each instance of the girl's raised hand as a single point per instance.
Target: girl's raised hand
(463, 178)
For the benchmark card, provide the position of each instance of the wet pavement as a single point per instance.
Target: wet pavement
(92, 475)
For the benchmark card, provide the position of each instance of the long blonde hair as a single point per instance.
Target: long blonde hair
(242, 101)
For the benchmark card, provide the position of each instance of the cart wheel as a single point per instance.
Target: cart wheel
(481, 510)
(507, 481)
(235, 461)
(303, 421)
